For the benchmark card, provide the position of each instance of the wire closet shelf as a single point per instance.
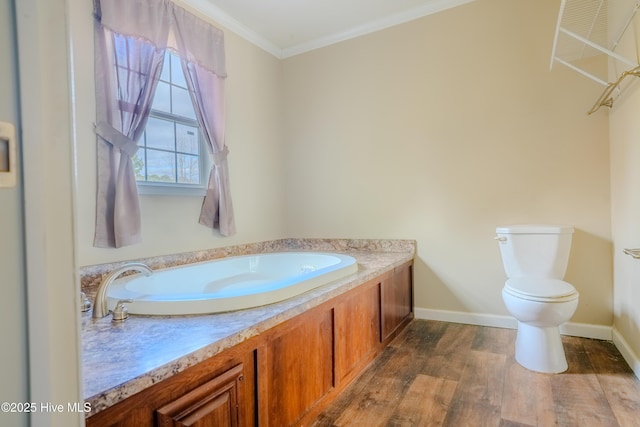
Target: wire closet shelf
(583, 33)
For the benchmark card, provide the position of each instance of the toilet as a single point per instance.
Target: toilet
(535, 260)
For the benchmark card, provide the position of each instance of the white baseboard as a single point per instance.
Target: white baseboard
(495, 321)
(629, 355)
(498, 321)
(587, 330)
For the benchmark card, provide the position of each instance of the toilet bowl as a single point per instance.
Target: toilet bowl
(538, 343)
(535, 259)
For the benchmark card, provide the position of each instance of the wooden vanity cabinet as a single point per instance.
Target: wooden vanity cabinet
(286, 375)
(215, 403)
(217, 392)
(295, 367)
(365, 320)
(357, 329)
(397, 299)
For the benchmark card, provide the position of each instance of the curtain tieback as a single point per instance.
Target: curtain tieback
(116, 138)
(219, 157)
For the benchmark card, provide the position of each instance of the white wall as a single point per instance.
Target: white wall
(625, 197)
(440, 130)
(170, 224)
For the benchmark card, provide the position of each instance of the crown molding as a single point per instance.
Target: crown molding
(232, 24)
(373, 26)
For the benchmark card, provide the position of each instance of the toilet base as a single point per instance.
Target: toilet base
(540, 349)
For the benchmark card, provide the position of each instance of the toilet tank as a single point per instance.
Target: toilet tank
(535, 250)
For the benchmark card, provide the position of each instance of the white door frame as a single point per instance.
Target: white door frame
(48, 168)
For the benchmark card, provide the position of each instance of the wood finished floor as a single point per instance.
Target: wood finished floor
(447, 374)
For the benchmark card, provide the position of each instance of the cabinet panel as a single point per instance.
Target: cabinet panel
(216, 386)
(397, 299)
(357, 329)
(299, 368)
(213, 404)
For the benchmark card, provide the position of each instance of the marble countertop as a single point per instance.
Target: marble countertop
(121, 359)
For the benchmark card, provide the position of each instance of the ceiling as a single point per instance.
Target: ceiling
(290, 27)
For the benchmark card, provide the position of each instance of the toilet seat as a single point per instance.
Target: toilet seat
(541, 289)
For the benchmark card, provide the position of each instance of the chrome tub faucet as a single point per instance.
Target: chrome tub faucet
(100, 304)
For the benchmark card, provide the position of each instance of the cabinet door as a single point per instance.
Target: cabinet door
(397, 299)
(213, 404)
(357, 329)
(298, 370)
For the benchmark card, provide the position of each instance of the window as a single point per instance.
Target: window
(171, 155)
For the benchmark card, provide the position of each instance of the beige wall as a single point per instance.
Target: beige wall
(437, 130)
(625, 194)
(170, 224)
(440, 130)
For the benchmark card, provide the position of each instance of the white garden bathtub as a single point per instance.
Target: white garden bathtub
(228, 284)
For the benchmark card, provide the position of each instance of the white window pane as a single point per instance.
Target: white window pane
(161, 166)
(188, 169)
(138, 164)
(177, 75)
(182, 105)
(162, 98)
(186, 139)
(160, 134)
(170, 149)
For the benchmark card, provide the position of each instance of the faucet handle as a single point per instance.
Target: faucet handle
(85, 303)
(120, 313)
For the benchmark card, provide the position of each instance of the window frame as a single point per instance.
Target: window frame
(163, 188)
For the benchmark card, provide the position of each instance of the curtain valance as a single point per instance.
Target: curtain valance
(154, 20)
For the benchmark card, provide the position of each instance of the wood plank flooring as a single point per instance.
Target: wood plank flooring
(447, 374)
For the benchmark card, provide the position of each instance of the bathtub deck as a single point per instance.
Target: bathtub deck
(120, 360)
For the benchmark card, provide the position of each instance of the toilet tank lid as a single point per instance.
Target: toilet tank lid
(535, 229)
